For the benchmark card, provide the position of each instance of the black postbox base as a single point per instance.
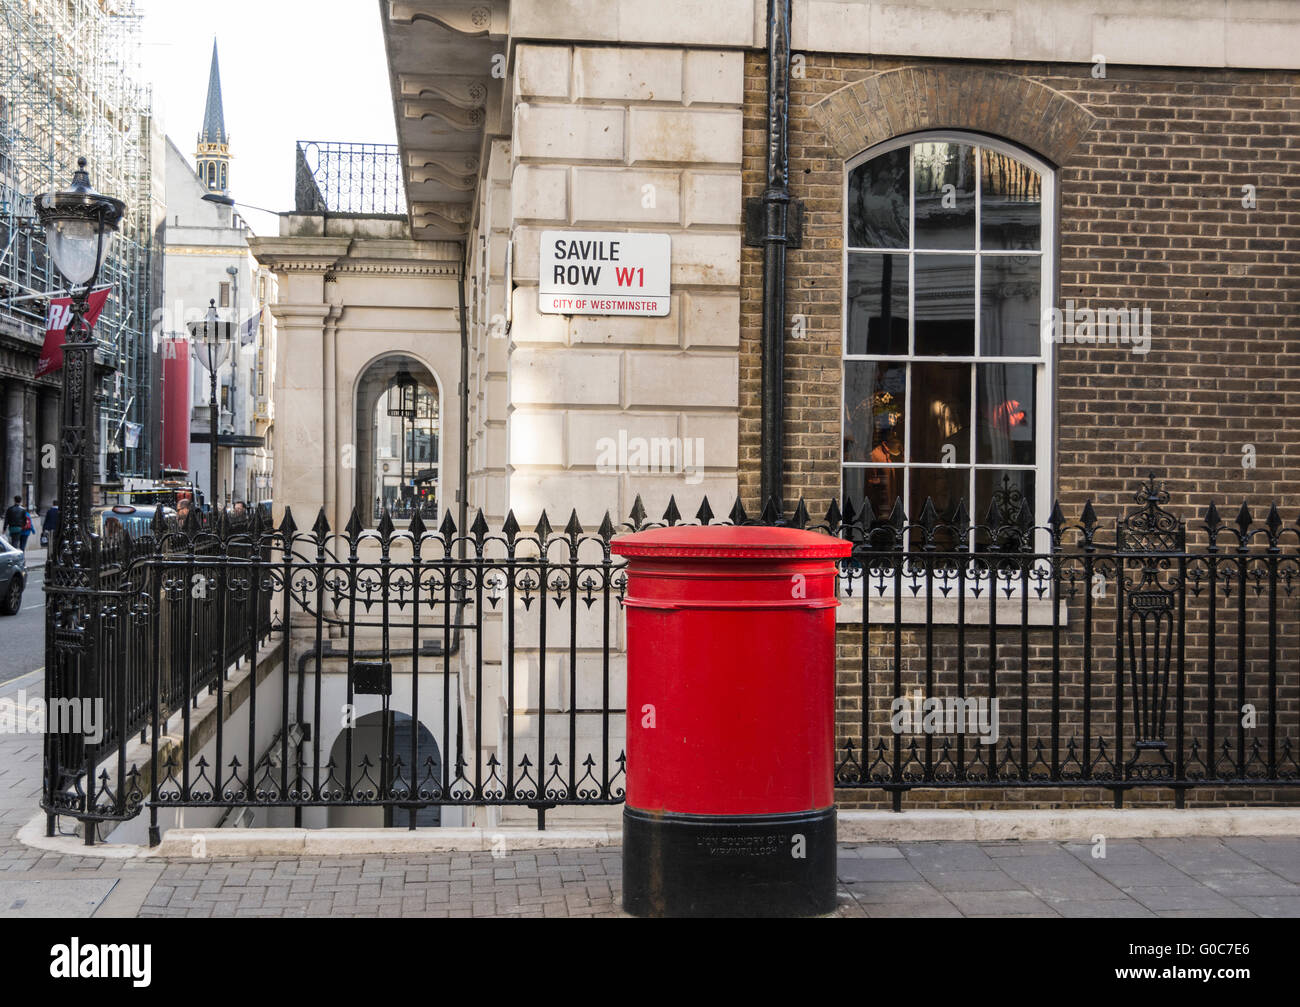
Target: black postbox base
(728, 865)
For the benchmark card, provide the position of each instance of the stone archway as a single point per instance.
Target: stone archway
(398, 457)
(370, 737)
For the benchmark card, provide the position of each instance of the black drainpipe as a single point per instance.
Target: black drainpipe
(774, 222)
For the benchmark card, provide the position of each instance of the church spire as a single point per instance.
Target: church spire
(214, 119)
(212, 156)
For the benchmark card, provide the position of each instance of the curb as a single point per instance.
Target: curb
(1063, 826)
(854, 827)
(178, 844)
(352, 842)
(33, 835)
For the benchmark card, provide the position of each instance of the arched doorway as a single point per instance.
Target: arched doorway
(371, 739)
(398, 438)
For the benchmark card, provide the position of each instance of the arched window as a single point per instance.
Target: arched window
(947, 389)
(399, 427)
(223, 176)
(212, 174)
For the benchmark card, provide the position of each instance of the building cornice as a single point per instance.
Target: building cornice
(222, 250)
(395, 268)
(299, 255)
(284, 312)
(357, 256)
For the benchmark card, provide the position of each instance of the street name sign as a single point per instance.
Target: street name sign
(604, 273)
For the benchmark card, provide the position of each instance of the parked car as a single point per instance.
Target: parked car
(13, 576)
(135, 521)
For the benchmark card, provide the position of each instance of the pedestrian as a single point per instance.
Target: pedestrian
(28, 528)
(50, 524)
(15, 521)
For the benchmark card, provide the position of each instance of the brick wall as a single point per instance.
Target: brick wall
(1150, 216)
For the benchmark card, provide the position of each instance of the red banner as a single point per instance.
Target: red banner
(56, 324)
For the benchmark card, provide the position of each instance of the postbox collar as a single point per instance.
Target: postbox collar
(730, 542)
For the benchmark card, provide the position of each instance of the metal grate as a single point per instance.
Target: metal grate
(360, 178)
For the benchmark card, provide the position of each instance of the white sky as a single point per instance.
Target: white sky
(290, 70)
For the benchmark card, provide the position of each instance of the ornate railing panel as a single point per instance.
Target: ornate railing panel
(998, 654)
(351, 178)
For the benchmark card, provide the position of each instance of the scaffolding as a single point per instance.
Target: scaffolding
(71, 86)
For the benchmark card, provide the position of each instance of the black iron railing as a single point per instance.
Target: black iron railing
(352, 178)
(156, 641)
(1000, 654)
(1152, 655)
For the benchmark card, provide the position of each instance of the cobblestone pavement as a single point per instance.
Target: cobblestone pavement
(1150, 877)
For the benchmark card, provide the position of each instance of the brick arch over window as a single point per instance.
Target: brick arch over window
(913, 98)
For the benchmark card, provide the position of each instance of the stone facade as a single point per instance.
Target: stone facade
(625, 139)
(351, 292)
(29, 418)
(207, 240)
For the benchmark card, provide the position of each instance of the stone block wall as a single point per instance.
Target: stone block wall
(638, 139)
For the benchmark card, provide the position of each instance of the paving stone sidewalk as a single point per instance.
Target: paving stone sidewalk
(1162, 877)
(1149, 877)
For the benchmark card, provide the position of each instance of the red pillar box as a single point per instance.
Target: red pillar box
(730, 721)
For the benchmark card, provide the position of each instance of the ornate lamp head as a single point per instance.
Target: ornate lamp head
(211, 338)
(401, 393)
(79, 226)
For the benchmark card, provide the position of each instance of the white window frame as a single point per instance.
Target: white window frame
(1045, 398)
(944, 610)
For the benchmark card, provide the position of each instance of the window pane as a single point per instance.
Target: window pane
(941, 413)
(945, 305)
(945, 488)
(878, 486)
(878, 202)
(1008, 487)
(969, 426)
(945, 195)
(877, 303)
(1005, 413)
(1011, 197)
(1010, 306)
(874, 396)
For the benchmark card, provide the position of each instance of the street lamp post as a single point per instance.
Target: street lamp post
(401, 403)
(211, 338)
(79, 225)
(233, 273)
